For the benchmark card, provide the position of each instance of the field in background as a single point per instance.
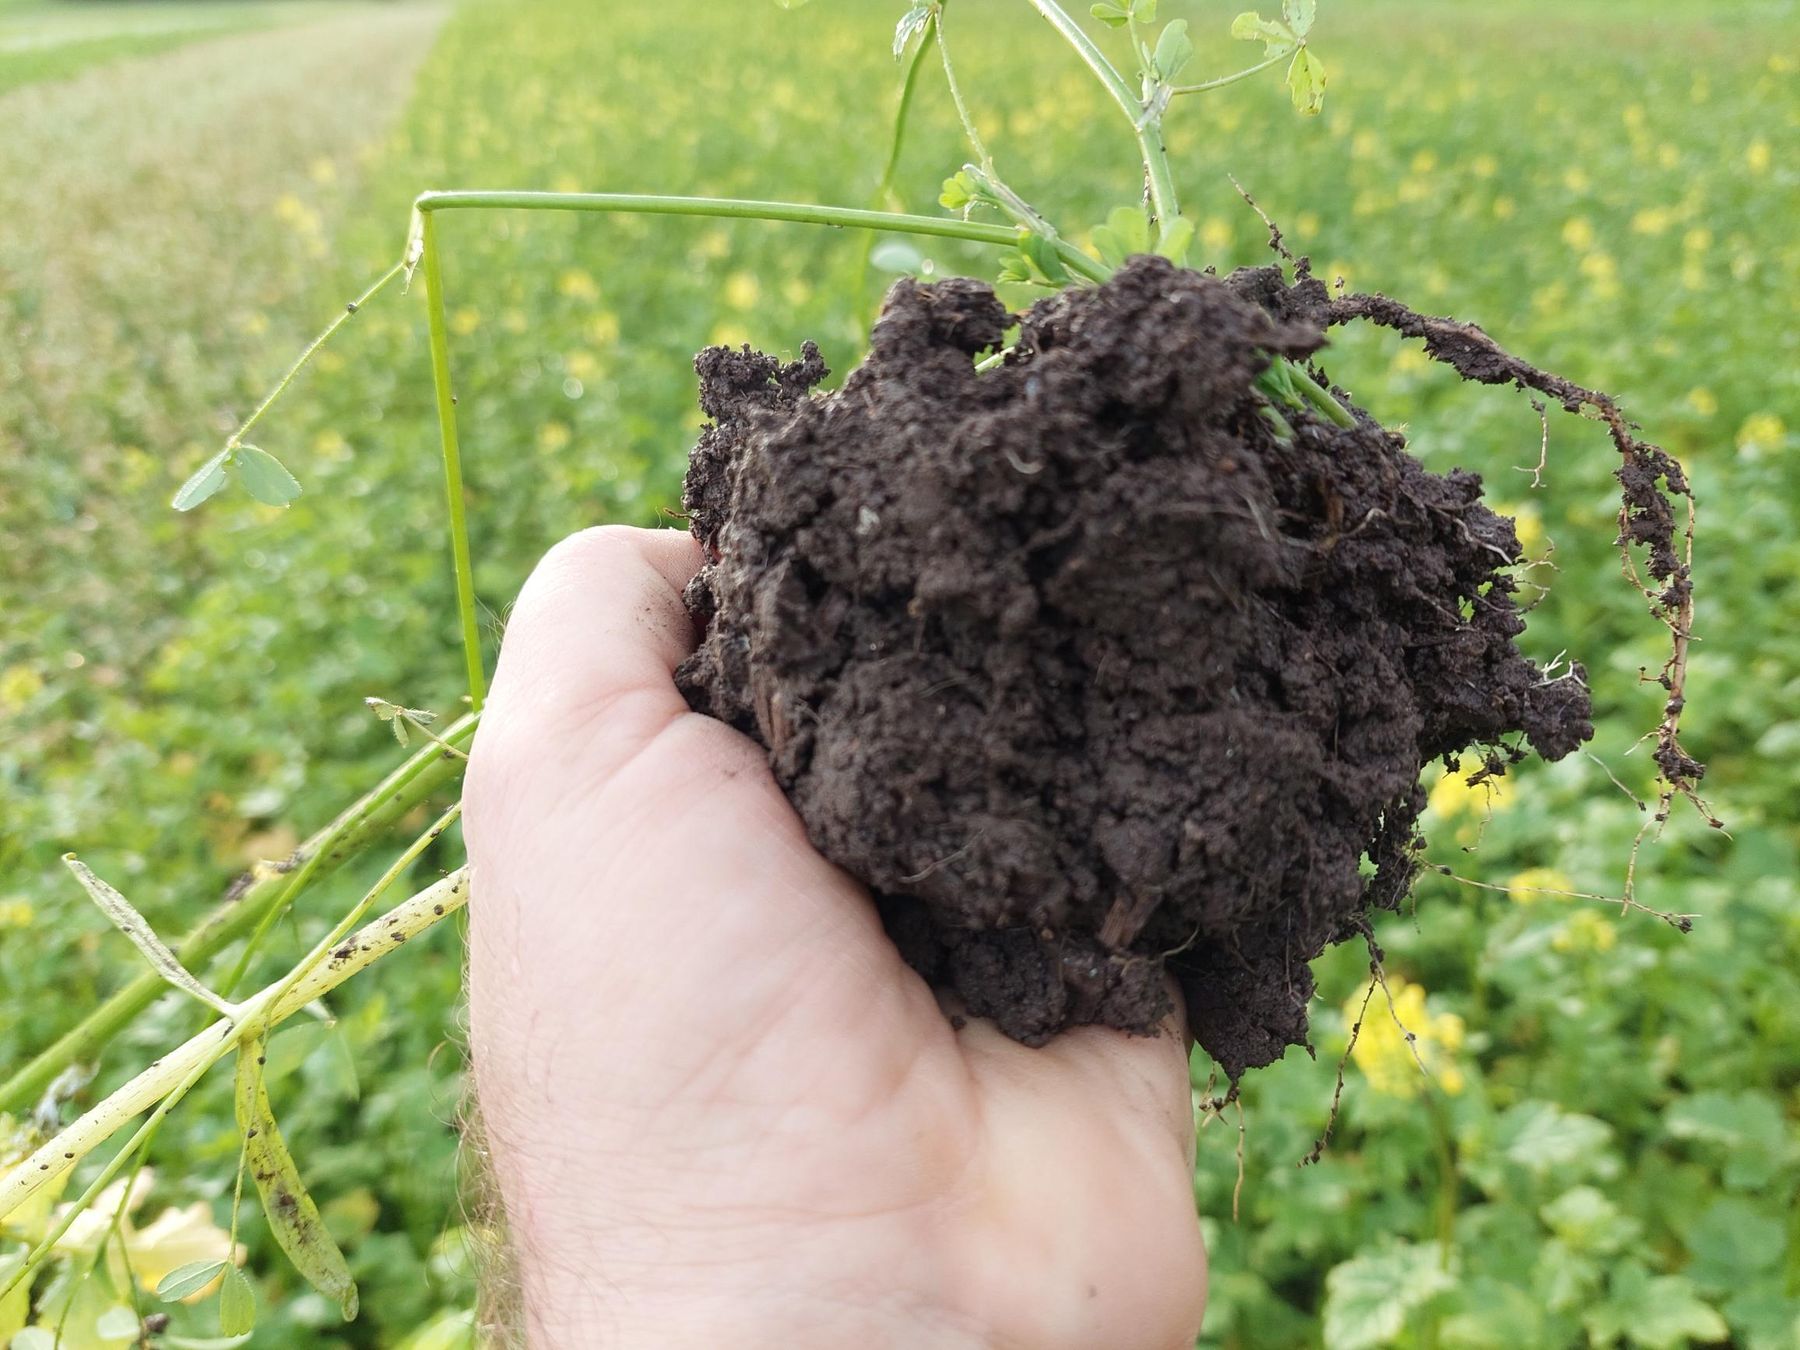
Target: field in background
(1611, 1155)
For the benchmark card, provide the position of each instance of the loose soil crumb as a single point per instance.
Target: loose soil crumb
(1087, 671)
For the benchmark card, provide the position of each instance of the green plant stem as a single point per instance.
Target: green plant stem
(169, 1078)
(732, 208)
(1165, 202)
(312, 348)
(1224, 80)
(962, 107)
(885, 195)
(452, 455)
(354, 830)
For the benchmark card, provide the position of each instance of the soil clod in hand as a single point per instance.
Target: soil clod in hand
(1093, 668)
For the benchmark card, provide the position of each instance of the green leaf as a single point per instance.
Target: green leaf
(1733, 1240)
(1306, 82)
(293, 1217)
(1369, 1298)
(1144, 11)
(911, 25)
(1125, 234)
(1661, 1313)
(205, 481)
(189, 1279)
(1110, 15)
(1299, 15)
(237, 1305)
(1590, 1222)
(1541, 1135)
(1177, 236)
(118, 1324)
(264, 476)
(1046, 266)
(1174, 49)
(960, 190)
(1276, 35)
(34, 1338)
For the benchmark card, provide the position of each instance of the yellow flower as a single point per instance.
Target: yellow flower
(1578, 233)
(578, 284)
(1528, 524)
(1424, 161)
(18, 686)
(16, 912)
(1452, 795)
(1576, 180)
(1702, 400)
(1537, 883)
(1382, 1052)
(1505, 208)
(603, 328)
(1697, 240)
(1757, 156)
(1215, 235)
(741, 291)
(1586, 930)
(583, 365)
(1411, 361)
(566, 182)
(465, 321)
(1761, 431)
(1653, 220)
(323, 170)
(1363, 145)
(553, 436)
(175, 1238)
(1484, 166)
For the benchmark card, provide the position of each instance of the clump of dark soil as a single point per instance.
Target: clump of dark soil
(1085, 665)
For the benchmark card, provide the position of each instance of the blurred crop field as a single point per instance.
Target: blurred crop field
(1607, 1149)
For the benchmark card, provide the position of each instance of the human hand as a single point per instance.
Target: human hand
(721, 1110)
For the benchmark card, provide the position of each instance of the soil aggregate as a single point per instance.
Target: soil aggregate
(1093, 670)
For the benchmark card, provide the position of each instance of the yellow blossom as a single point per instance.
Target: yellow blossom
(1424, 161)
(1761, 431)
(1484, 166)
(1535, 884)
(1667, 155)
(1505, 208)
(583, 365)
(16, 912)
(1411, 361)
(795, 290)
(1702, 400)
(465, 320)
(1363, 145)
(1382, 1052)
(741, 291)
(515, 321)
(1215, 235)
(553, 436)
(565, 182)
(603, 328)
(1578, 233)
(1586, 930)
(323, 170)
(1453, 796)
(578, 284)
(18, 685)
(1653, 220)
(1697, 240)
(1576, 180)
(1758, 157)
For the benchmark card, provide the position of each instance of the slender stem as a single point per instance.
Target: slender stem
(312, 348)
(453, 482)
(1224, 80)
(415, 781)
(181, 1068)
(962, 108)
(885, 188)
(1165, 202)
(733, 208)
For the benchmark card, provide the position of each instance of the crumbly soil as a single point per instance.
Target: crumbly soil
(1089, 671)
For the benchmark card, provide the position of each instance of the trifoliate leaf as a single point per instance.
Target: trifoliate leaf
(1306, 82)
(1174, 49)
(264, 477)
(206, 480)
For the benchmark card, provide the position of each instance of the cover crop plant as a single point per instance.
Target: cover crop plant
(1150, 481)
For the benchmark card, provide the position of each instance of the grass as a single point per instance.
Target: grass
(1619, 1160)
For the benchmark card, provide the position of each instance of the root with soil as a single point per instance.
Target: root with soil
(1094, 667)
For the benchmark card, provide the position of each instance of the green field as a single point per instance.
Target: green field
(1611, 1151)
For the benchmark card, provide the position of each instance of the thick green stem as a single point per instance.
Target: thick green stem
(1165, 201)
(414, 782)
(453, 481)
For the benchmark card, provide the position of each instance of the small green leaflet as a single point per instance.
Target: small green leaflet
(912, 24)
(206, 480)
(1306, 82)
(1276, 34)
(1111, 15)
(1174, 49)
(1299, 15)
(265, 477)
(293, 1217)
(1125, 234)
(118, 1324)
(237, 1304)
(189, 1279)
(1177, 235)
